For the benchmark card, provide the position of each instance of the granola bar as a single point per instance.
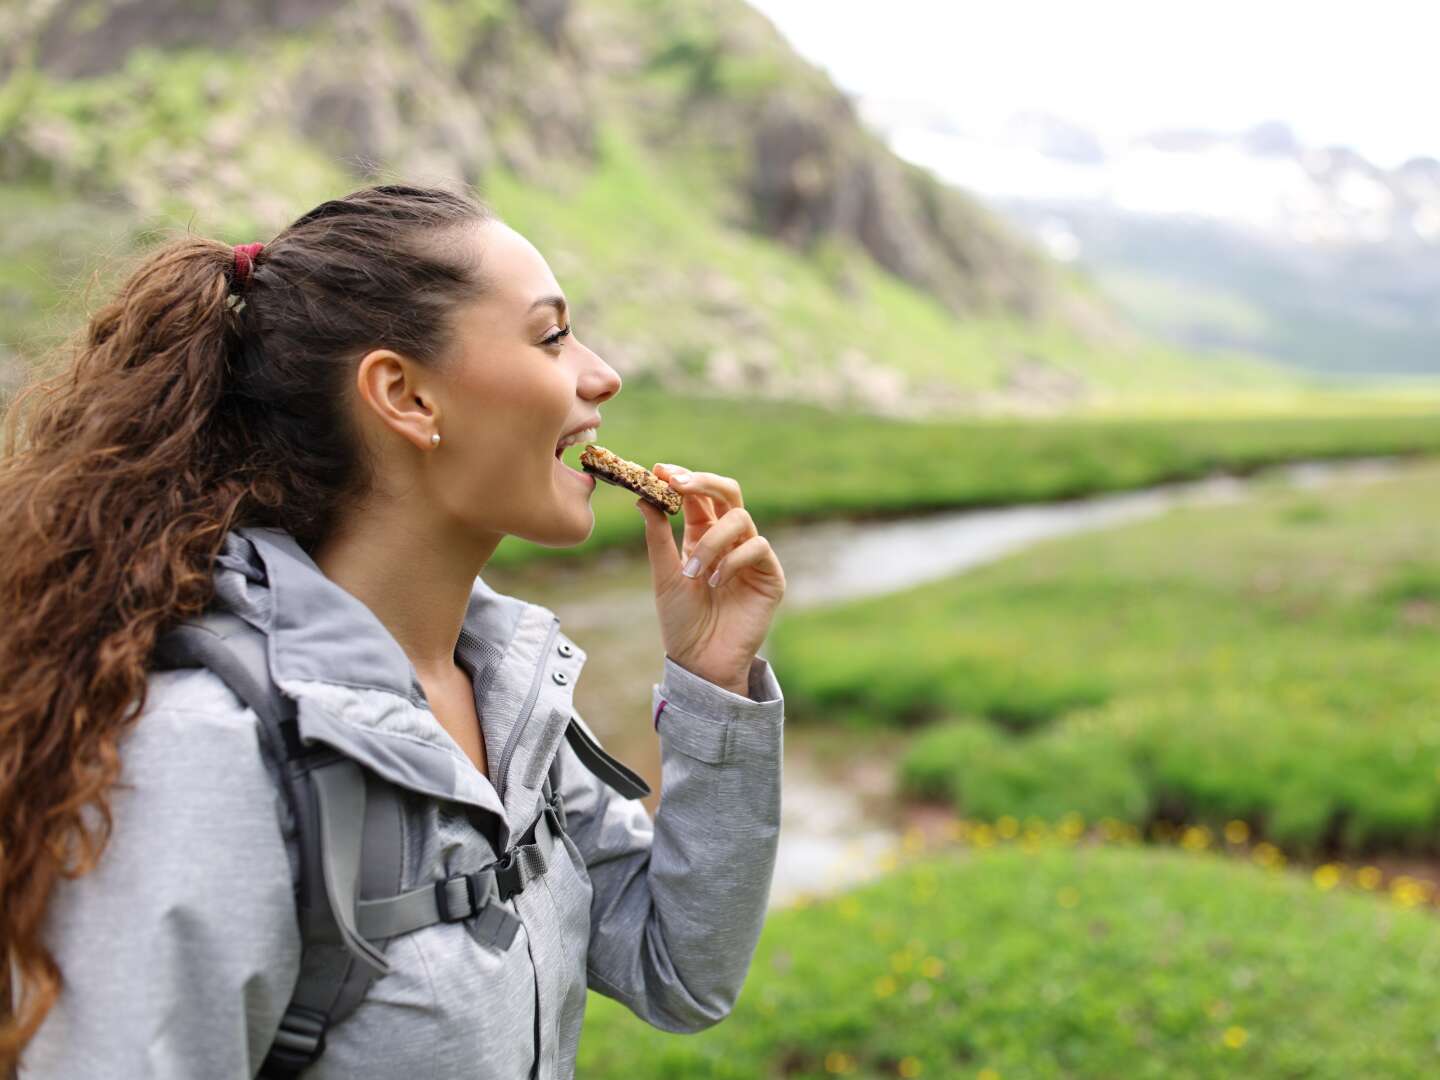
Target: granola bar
(633, 477)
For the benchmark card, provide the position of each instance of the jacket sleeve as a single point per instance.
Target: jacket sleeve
(180, 948)
(679, 901)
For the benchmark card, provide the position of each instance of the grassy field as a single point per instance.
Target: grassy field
(1049, 960)
(799, 463)
(1273, 663)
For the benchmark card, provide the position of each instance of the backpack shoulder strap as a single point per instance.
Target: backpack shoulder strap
(330, 797)
(236, 652)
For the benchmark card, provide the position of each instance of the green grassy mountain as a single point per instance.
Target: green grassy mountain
(719, 217)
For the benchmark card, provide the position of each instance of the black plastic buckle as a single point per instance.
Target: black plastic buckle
(443, 898)
(298, 1042)
(507, 876)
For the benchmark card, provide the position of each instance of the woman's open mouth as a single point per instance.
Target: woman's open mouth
(589, 478)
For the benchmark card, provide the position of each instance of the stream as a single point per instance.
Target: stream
(839, 821)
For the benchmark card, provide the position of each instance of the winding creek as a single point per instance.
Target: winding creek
(841, 819)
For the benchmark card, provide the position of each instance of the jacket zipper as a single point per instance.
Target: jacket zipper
(503, 771)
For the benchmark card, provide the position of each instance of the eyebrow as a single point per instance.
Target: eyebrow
(557, 302)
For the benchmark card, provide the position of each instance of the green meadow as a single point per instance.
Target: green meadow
(1272, 662)
(1052, 959)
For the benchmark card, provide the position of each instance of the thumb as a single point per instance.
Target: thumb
(659, 540)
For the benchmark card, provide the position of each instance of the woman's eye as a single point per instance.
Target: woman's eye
(554, 339)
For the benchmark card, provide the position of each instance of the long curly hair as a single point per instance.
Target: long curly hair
(185, 408)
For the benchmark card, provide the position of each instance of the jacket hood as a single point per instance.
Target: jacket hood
(357, 691)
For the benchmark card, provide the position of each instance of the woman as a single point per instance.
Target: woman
(328, 436)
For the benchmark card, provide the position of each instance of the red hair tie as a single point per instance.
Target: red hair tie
(244, 262)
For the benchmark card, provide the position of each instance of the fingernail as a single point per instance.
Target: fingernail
(715, 578)
(680, 476)
(692, 567)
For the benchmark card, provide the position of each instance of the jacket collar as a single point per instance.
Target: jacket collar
(358, 691)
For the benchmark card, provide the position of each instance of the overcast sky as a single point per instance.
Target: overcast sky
(1359, 73)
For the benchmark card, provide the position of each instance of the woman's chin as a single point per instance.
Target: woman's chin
(554, 537)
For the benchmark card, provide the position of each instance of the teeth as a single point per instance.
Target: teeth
(588, 435)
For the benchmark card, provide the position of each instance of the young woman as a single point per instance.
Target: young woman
(327, 436)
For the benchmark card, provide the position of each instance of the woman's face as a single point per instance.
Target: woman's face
(514, 387)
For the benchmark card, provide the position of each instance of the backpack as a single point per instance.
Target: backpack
(348, 824)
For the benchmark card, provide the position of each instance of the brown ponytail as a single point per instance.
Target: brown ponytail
(179, 414)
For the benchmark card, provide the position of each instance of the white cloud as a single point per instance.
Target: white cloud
(1339, 73)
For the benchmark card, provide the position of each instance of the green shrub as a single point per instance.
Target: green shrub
(1062, 771)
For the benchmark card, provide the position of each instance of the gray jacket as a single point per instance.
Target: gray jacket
(180, 950)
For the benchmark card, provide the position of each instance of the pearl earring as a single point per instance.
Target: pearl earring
(435, 439)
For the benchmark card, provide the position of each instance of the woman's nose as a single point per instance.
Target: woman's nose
(603, 380)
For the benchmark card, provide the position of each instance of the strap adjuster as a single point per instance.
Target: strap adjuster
(459, 897)
(299, 1040)
(555, 811)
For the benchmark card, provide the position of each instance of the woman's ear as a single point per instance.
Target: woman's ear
(392, 388)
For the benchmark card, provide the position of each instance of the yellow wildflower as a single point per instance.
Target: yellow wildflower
(1195, 838)
(932, 967)
(1368, 877)
(836, 1062)
(1007, 827)
(884, 986)
(1326, 877)
(1235, 1037)
(1267, 854)
(1236, 832)
(1072, 825)
(1406, 891)
(910, 1066)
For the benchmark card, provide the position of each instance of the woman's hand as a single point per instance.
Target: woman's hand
(713, 630)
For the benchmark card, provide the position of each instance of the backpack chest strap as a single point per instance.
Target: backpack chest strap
(463, 896)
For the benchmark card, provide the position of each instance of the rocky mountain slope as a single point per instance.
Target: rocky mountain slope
(712, 203)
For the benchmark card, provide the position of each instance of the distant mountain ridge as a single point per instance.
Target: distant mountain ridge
(1249, 240)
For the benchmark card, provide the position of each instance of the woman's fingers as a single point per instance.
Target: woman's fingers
(698, 512)
(753, 552)
(735, 526)
(659, 541)
(722, 491)
(705, 499)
